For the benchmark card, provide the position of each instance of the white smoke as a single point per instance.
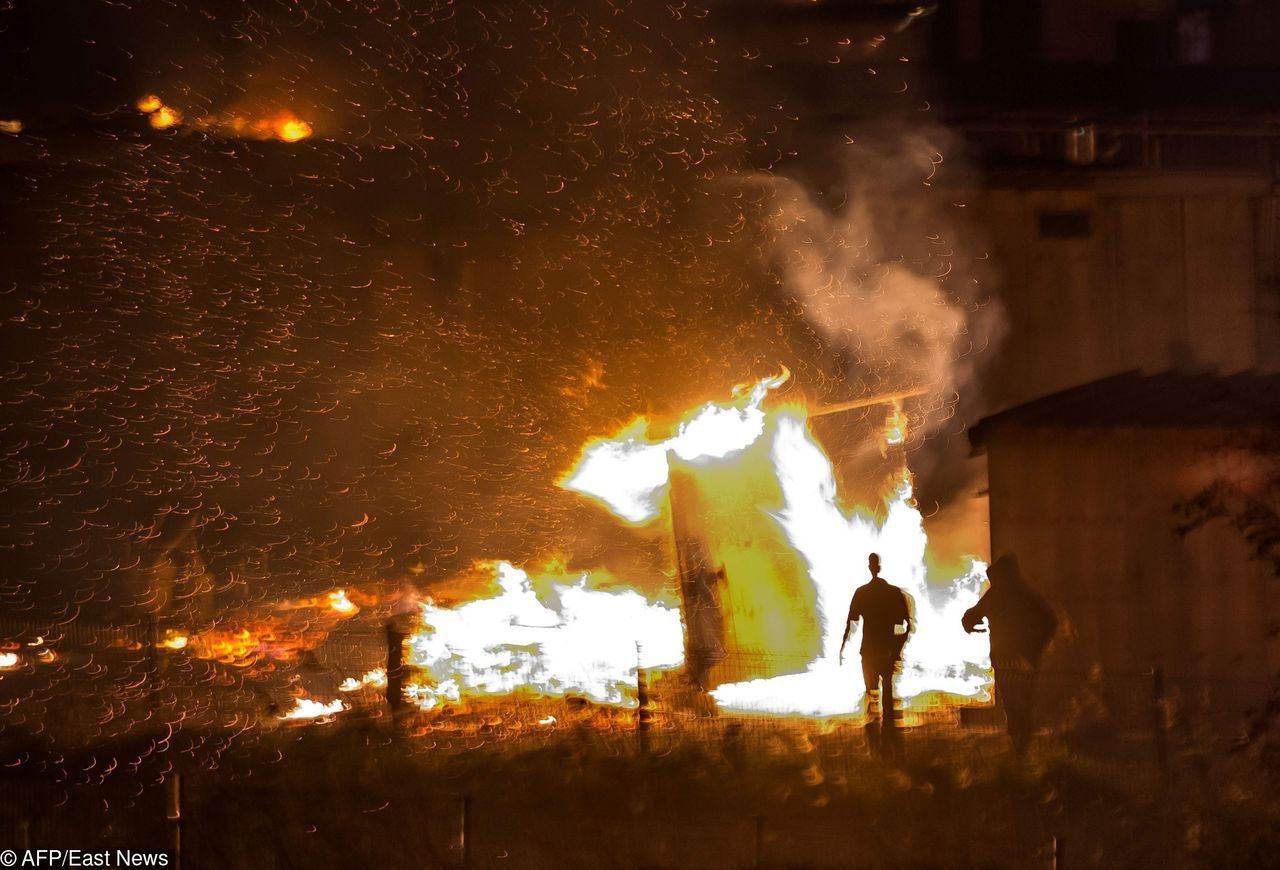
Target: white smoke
(886, 271)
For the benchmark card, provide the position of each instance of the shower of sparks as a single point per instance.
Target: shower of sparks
(311, 297)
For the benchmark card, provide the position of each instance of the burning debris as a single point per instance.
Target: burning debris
(374, 679)
(308, 709)
(564, 638)
(283, 125)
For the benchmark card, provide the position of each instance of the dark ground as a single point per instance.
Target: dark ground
(709, 794)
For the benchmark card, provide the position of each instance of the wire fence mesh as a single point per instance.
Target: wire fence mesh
(95, 725)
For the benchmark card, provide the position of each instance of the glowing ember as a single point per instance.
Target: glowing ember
(8, 661)
(569, 640)
(175, 641)
(284, 126)
(291, 129)
(895, 431)
(165, 118)
(341, 603)
(159, 116)
(306, 708)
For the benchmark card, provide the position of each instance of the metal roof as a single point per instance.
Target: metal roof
(1168, 400)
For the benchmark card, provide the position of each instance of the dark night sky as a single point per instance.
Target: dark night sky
(514, 228)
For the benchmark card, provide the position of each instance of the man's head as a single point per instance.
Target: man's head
(873, 562)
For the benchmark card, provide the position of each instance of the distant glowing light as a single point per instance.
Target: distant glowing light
(292, 129)
(12, 126)
(8, 661)
(164, 118)
(175, 641)
(159, 116)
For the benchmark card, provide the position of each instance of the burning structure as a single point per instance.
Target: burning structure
(762, 559)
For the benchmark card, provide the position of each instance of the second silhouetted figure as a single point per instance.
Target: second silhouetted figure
(1022, 623)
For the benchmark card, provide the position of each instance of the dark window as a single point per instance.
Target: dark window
(1074, 224)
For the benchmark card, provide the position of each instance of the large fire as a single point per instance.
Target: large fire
(751, 496)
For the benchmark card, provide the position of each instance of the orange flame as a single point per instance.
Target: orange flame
(767, 514)
(159, 115)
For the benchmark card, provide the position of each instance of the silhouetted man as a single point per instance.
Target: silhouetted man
(885, 611)
(1021, 623)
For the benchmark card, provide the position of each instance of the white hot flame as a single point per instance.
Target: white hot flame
(376, 678)
(628, 474)
(940, 656)
(307, 708)
(341, 603)
(570, 639)
(576, 640)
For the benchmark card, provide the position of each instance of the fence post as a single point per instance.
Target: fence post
(397, 633)
(173, 815)
(643, 714)
(642, 703)
(1157, 716)
(462, 837)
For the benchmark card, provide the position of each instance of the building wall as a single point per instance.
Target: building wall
(1093, 31)
(1090, 514)
(1105, 274)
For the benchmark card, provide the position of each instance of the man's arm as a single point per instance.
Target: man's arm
(848, 625)
(974, 615)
